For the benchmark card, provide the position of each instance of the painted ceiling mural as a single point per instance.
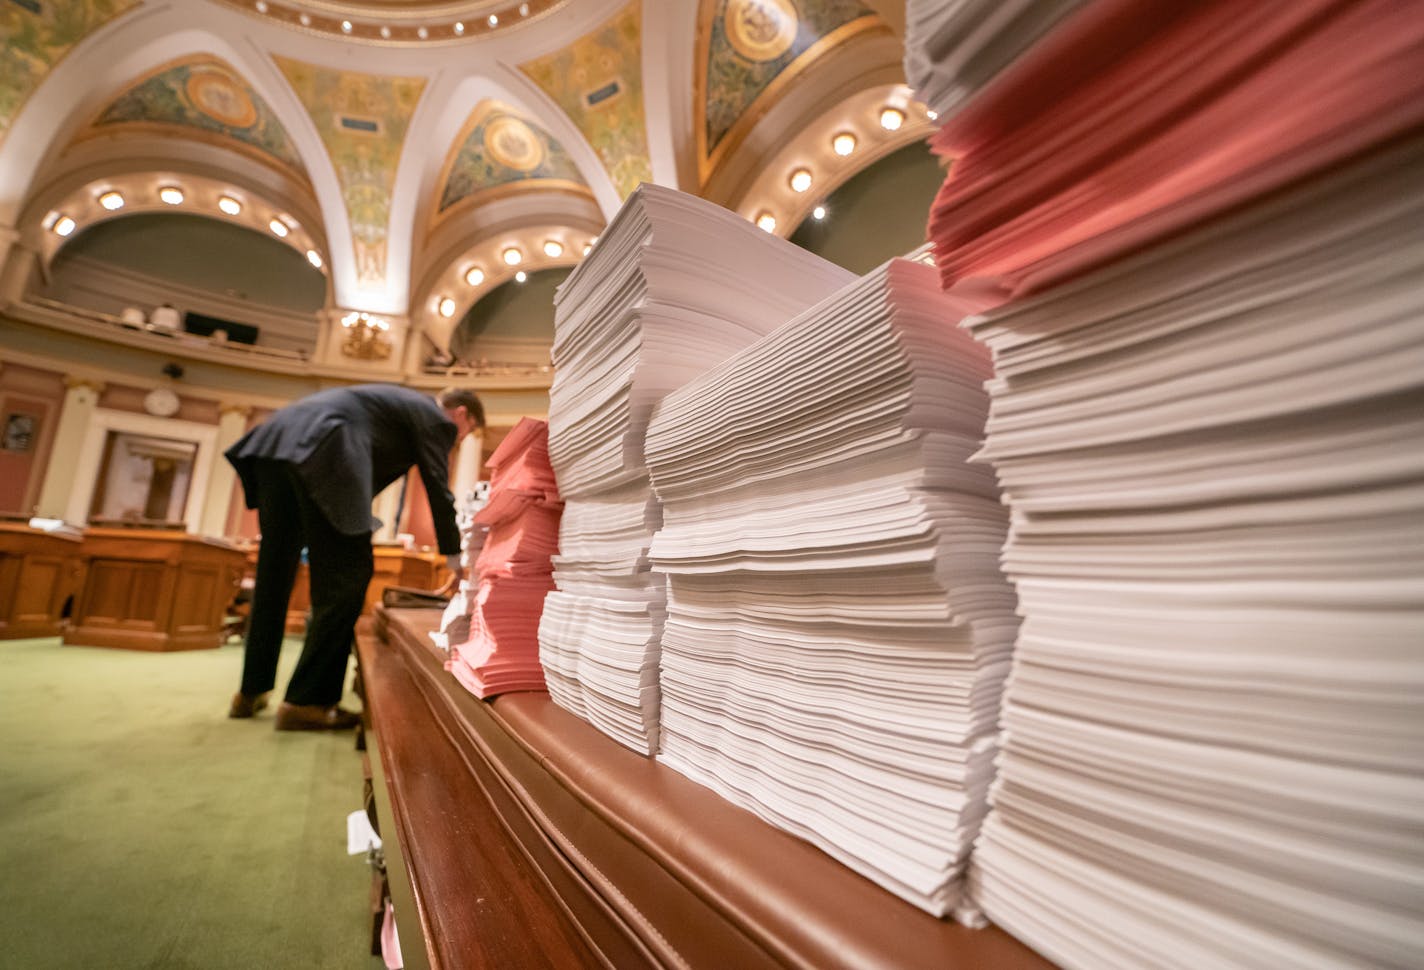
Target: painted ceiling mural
(35, 36)
(745, 48)
(598, 82)
(502, 147)
(362, 120)
(204, 94)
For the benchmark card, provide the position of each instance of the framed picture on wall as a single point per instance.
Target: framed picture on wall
(19, 432)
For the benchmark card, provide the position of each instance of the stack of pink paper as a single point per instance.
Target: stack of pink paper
(514, 568)
(1137, 119)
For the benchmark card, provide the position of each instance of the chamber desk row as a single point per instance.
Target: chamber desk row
(519, 836)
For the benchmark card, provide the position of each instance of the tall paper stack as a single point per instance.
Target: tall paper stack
(514, 567)
(648, 310)
(455, 620)
(955, 47)
(1214, 747)
(1201, 225)
(838, 627)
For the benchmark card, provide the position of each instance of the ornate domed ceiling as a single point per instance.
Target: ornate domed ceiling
(407, 148)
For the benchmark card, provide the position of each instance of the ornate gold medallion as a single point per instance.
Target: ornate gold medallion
(760, 30)
(510, 142)
(221, 98)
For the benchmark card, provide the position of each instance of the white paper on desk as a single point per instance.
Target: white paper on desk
(360, 837)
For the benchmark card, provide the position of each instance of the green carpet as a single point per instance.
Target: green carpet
(141, 828)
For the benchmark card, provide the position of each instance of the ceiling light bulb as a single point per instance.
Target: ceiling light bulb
(587, 248)
(447, 307)
(766, 221)
(261, 6)
(422, 33)
(63, 226)
(524, 10)
(818, 213)
(891, 118)
(385, 32)
(474, 276)
(111, 201)
(521, 276)
(305, 19)
(346, 26)
(512, 257)
(314, 258)
(278, 227)
(171, 194)
(493, 20)
(843, 144)
(801, 180)
(459, 27)
(229, 205)
(553, 248)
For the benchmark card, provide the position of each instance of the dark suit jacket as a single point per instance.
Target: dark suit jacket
(349, 443)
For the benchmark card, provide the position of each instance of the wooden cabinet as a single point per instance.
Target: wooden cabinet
(39, 572)
(154, 590)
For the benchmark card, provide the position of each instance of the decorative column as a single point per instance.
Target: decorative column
(80, 401)
(232, 423)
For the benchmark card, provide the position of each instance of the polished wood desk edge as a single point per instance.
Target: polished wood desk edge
(725, 860)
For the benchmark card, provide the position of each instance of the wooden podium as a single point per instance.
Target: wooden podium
(154, 589)
(39, 572)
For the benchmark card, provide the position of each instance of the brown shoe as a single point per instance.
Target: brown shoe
(314, 717)
(244, 706)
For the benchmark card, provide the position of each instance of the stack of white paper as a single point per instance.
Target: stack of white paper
(455, 620)
(954, 47)
(675, 285)
(1213, 749)
(838, 627)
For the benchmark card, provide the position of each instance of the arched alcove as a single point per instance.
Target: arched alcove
(511, 320)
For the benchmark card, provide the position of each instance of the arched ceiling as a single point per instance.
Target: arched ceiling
(413, 139)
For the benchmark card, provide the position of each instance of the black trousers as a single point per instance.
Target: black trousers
(340, 568)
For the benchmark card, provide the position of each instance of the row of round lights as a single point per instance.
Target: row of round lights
(113, 200)
(844, 144)
(347, 27)
(511, 256)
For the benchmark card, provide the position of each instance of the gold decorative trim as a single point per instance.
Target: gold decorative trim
(158, 129)
(707, 165)
(508, 189)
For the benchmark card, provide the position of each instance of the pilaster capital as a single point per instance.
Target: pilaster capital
(231, 407)
(71, 382)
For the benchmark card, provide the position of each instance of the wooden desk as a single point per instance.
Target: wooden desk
(397, 566)
(154, 589)
(39, 572)
(516, 835)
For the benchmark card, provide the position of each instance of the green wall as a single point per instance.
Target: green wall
(511, 310)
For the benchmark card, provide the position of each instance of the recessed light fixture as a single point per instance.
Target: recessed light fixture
(346, 26)
(474, 276)
(305, 19)
(801, 180)
(111, 201)
(766, 221)
(587, 248)
(422, 33)
(261, 6)
(891, 118)
(818, 213)
(843, 144)
(553, 248)
(278, 227)
(447, 307)
(229, 205)
(459, 27)
(171, 194)
(524, 10)
(63, 226)
(520, 276)
(385, 32)
(512, 256)
(493, 20)
(314, 258)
